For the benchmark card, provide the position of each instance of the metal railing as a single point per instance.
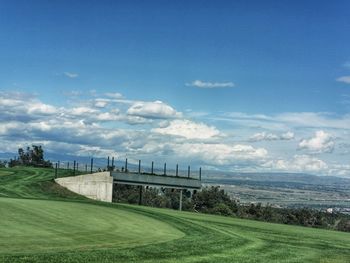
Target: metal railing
(72, 168)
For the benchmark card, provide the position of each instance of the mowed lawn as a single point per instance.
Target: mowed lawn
(46, 223)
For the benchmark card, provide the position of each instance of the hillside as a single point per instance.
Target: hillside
(42, 222)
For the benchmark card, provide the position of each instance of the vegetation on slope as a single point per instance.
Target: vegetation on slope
(213, 200)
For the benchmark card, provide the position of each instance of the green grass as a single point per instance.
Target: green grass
(33, 183)
(47, 225)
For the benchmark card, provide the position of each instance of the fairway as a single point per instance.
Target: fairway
(46, 226)
(45, 229)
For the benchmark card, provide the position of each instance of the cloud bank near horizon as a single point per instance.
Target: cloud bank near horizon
(109, 124)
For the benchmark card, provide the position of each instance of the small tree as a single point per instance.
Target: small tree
(31, 157)
(3, 164)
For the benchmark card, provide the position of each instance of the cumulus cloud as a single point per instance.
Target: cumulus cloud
(210, 85)
(188, 129)
(24, 108)
(83, 110)
(263, 136)
(220, 153)
(300, 163)
(287, 136)
(101, 125)
(101, 103)
(322, 142)
(344, 79)
(71, 75)
(156, 109)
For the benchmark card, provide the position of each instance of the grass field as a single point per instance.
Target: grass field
(42, 222)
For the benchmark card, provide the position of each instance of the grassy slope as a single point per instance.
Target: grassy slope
(52, 231)
(33, 183)
(28, 225)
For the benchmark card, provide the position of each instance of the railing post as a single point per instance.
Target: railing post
(140, 195)
(180, 204)
(56, 170)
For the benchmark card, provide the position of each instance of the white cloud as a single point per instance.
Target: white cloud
(210, 85)
(263, 136)
(156, 110)
(83, 110)
(188, 129)
(101, 103)
(322, 142)
(99, 125)
(41, 108)
(299, 163)
(25, 107)
(287, 120)
(71, 75)
(114, 95)
(6, 128)
(107, 116)
(221, 154)
(287, 136)
(345, 79)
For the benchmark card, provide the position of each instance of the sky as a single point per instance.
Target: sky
(246, 86)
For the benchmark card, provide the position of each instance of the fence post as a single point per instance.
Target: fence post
(126, 165)
(180, 204)
(85, 168)
(164, 168)
(200, 173)
(68, 166)
(152, 167)
(91, 164)
(188, 171)
(139, 166)
(140, 195)
(56, 171)
(177, 169)
(108, 163)
(74, 168)
(112, 163)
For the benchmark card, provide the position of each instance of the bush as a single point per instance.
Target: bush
(222, 209)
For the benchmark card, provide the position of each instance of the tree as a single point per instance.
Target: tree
(3, 164)
(30, 157)
(210, 197)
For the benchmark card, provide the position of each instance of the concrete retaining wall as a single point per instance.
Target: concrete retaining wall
(97, 186)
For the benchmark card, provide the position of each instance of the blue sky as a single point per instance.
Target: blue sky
(268, 82)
